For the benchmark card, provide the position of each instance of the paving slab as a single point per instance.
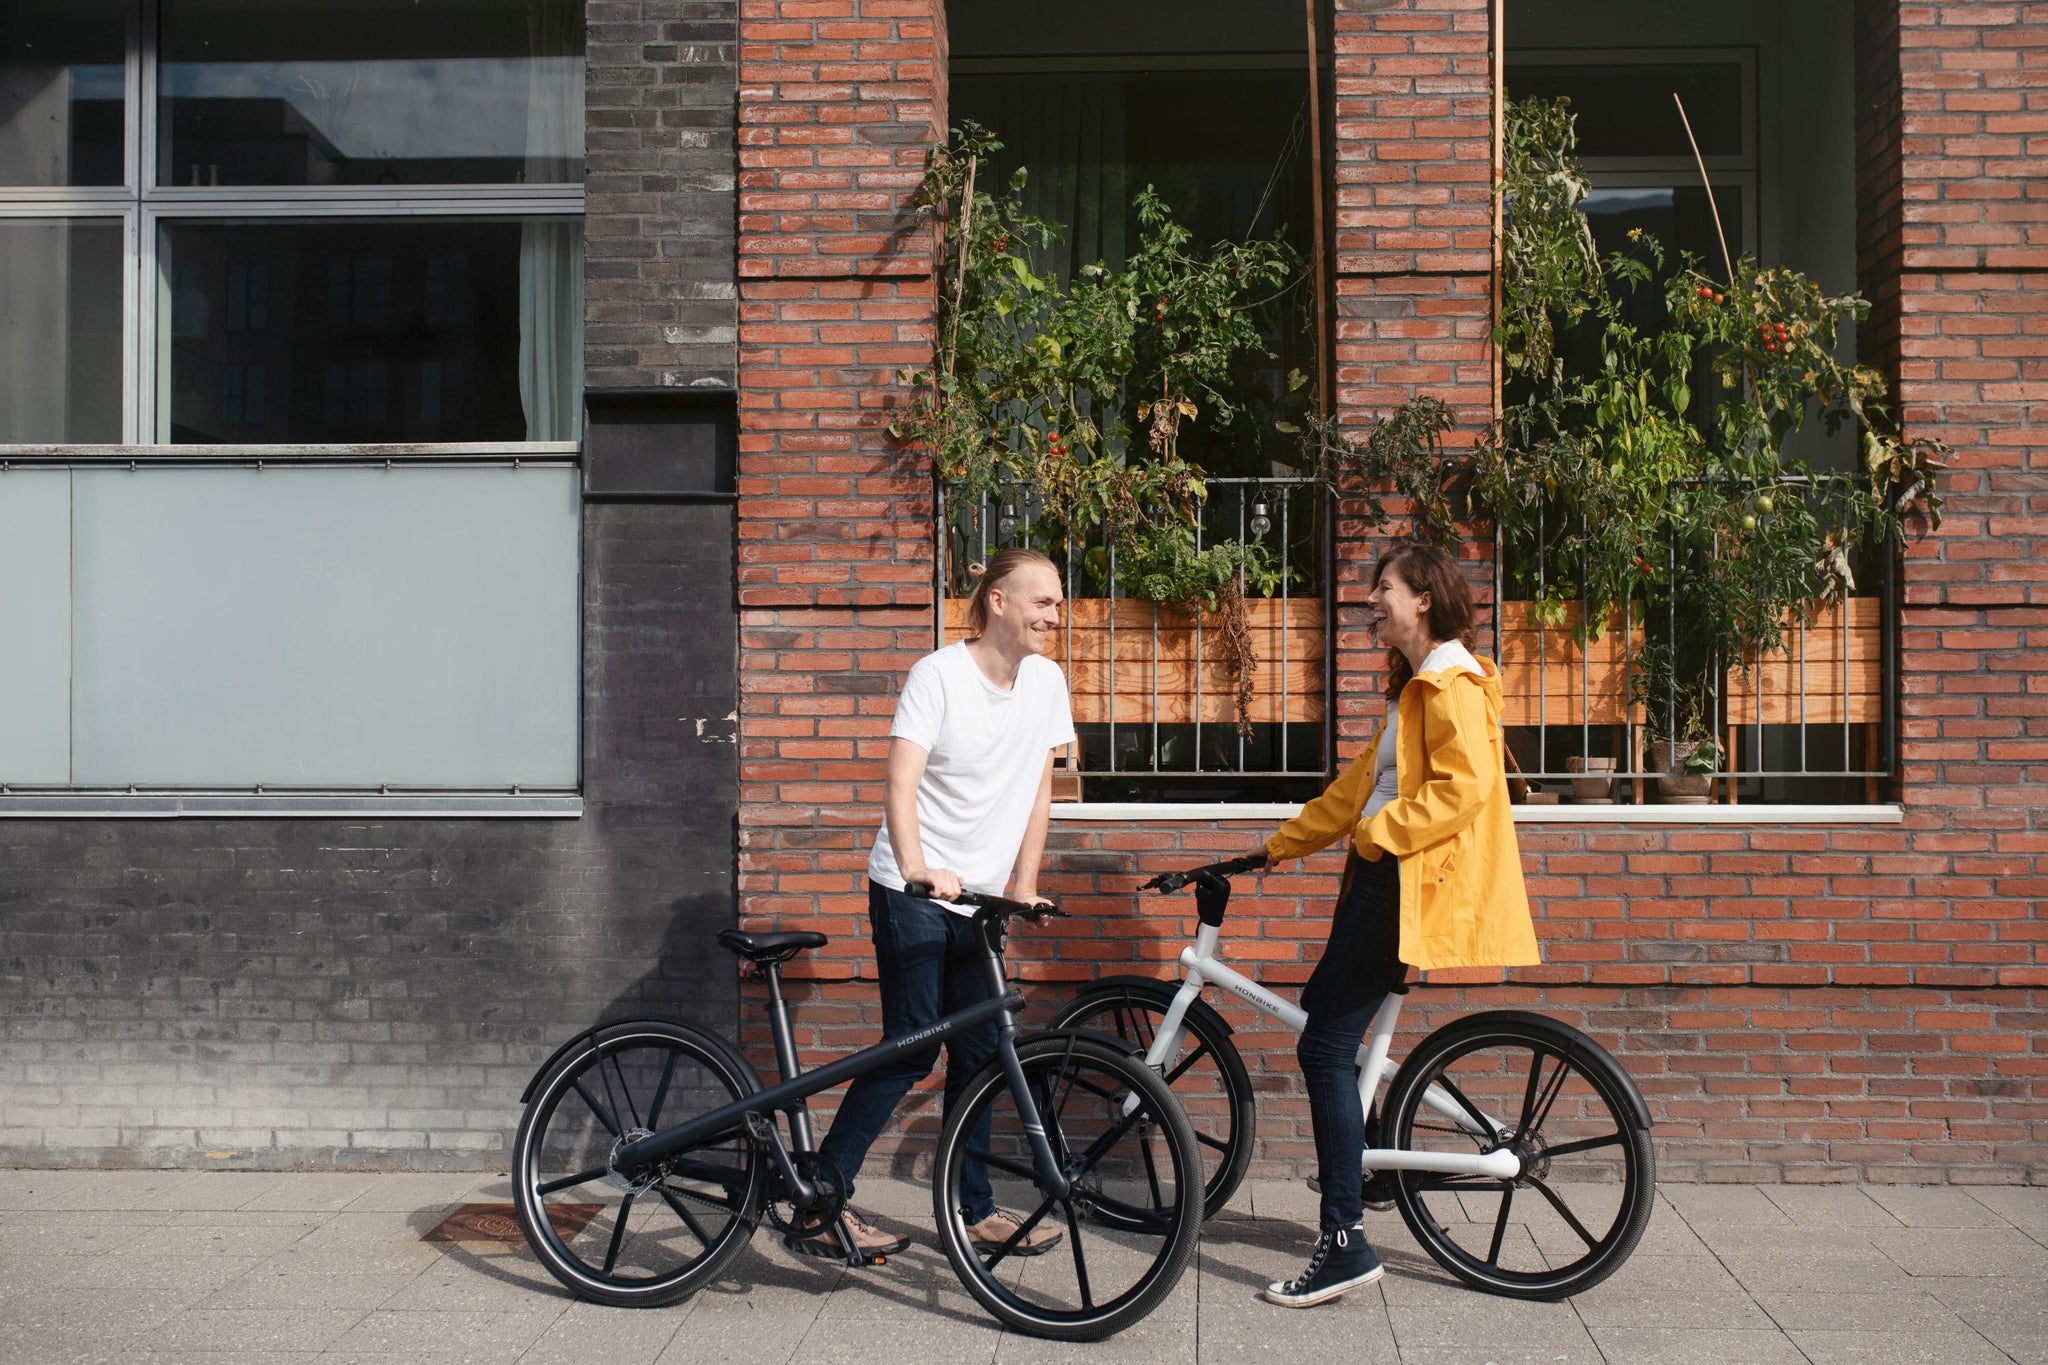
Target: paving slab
(212, 1268)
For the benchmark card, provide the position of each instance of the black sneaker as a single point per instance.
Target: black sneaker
(1376, 1194)
(1342, 1261)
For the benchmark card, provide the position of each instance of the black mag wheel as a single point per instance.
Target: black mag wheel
(648, 1242)
(1123, 1142)
(1208, 1076)
(1562, 1104)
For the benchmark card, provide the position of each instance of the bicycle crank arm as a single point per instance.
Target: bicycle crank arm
(1496, 1165)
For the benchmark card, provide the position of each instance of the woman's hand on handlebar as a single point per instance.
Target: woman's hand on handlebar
(944, 882)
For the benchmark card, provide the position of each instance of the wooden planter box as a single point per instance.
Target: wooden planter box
(1837, 663)
(1164, 670)
(1547, 678)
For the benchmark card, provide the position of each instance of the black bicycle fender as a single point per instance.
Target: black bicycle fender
(580, 1039)
(1639, 1112)
(1086, 1035)
(1162, 991)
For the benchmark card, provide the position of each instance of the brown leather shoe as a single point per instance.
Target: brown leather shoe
(868, 1239)
(994, 1232)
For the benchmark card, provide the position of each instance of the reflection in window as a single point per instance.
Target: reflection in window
(1625, 109)
(370, 330)
(62, 74)
(60, 330)
(365, 92)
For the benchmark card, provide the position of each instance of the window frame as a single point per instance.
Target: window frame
(143, 207)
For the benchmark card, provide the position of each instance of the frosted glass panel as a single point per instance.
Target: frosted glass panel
(326, 627)
(35, 626)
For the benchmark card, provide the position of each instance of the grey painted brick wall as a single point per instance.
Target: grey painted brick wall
(369, 994)
(660, 307)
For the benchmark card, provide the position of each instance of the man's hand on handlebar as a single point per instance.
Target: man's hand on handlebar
(944, 882)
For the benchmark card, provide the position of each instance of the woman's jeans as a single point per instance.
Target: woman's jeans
(930, 964)
(1361, 966)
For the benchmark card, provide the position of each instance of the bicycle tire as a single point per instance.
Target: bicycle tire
(1100, 1109)
(1557, 1117)
(1221, 1107)
(575, 1119)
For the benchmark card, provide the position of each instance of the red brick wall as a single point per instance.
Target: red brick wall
(1809, 1002)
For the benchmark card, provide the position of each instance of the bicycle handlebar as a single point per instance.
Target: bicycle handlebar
(1166, 883)
(1002, 905)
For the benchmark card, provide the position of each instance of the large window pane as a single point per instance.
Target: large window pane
(360, 92)
(62, 77)
(325, 627)
(373, 330)
(1625, 110)
(60, 329)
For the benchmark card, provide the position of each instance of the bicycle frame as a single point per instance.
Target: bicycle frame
(1204, 967)
(755, 1114)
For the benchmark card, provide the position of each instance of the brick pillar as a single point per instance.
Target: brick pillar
(838, 101)
(1413, 166)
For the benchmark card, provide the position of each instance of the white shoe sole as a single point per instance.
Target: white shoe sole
(1275, 1293)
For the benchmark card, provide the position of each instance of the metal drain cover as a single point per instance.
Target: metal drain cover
(499, 1223)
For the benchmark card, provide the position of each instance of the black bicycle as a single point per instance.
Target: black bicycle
(649, 1153)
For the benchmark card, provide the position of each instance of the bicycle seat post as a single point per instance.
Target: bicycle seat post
(785, 1050)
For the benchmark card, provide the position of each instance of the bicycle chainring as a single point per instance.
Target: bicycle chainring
(824, 1177)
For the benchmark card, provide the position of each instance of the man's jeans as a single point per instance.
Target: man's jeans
(930, 964)
(1360, 966)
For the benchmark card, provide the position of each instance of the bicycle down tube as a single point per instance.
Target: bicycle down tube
(1204, 967)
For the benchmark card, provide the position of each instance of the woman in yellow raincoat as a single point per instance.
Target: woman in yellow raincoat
(1431, 789)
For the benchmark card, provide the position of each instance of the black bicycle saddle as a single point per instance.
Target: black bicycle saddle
(770, 947)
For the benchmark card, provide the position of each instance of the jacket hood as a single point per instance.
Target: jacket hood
(1487, 680)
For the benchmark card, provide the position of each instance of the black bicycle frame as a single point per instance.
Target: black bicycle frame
(635, 1159)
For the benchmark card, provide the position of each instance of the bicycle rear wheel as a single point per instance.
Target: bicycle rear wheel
(1208, 1077)
(636, 1244)
(1553, 1096)
(1123, 1142)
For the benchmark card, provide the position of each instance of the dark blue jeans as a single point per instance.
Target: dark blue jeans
(1361, 965)
(930, 964)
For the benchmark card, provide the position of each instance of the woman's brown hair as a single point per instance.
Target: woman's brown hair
(1427, 569)
(1005, 563)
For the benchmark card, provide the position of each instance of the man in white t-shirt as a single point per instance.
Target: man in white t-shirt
(969, 797)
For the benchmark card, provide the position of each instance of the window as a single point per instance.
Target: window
(345, 220)
(253, 245)
(1206, 101)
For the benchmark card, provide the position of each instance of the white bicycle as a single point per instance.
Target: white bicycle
(1486, 1107)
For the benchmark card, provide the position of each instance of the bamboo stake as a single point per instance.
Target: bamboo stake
(1712, 207)
(1315, 133)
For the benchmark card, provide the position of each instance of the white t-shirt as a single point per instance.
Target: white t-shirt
(1385, 785)
(987, 750)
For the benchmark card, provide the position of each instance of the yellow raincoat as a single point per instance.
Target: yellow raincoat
(1462, 899)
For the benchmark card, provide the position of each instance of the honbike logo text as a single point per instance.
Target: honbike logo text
(1258, 997)
(909, 1040)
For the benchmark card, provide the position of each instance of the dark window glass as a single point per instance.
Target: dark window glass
(1627, 111)
(371, 330)
(366, 92)
(62, 81)
(60, 330)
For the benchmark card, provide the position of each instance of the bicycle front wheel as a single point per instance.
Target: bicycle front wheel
(1131, 1159)
(648, 1242)
(1208, 1076)
(1521, 1082)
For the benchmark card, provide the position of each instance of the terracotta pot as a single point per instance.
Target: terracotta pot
(1590, 790)
(1675, 786)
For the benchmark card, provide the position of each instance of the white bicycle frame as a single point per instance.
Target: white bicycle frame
(1204, 967)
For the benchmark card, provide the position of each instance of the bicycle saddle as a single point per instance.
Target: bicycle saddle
(769, 947)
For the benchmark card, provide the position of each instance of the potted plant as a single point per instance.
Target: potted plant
(1638, 470)
(1076, 402)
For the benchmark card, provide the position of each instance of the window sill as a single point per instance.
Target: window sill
(1273, 813)
(216, 806)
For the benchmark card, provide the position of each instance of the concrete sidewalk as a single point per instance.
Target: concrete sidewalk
(199, 1268)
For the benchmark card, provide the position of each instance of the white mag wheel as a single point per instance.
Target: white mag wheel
(1530, 1085)
(647, 1242)
(1128, 1225)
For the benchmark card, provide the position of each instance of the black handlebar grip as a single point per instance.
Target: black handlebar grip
(923, 889)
